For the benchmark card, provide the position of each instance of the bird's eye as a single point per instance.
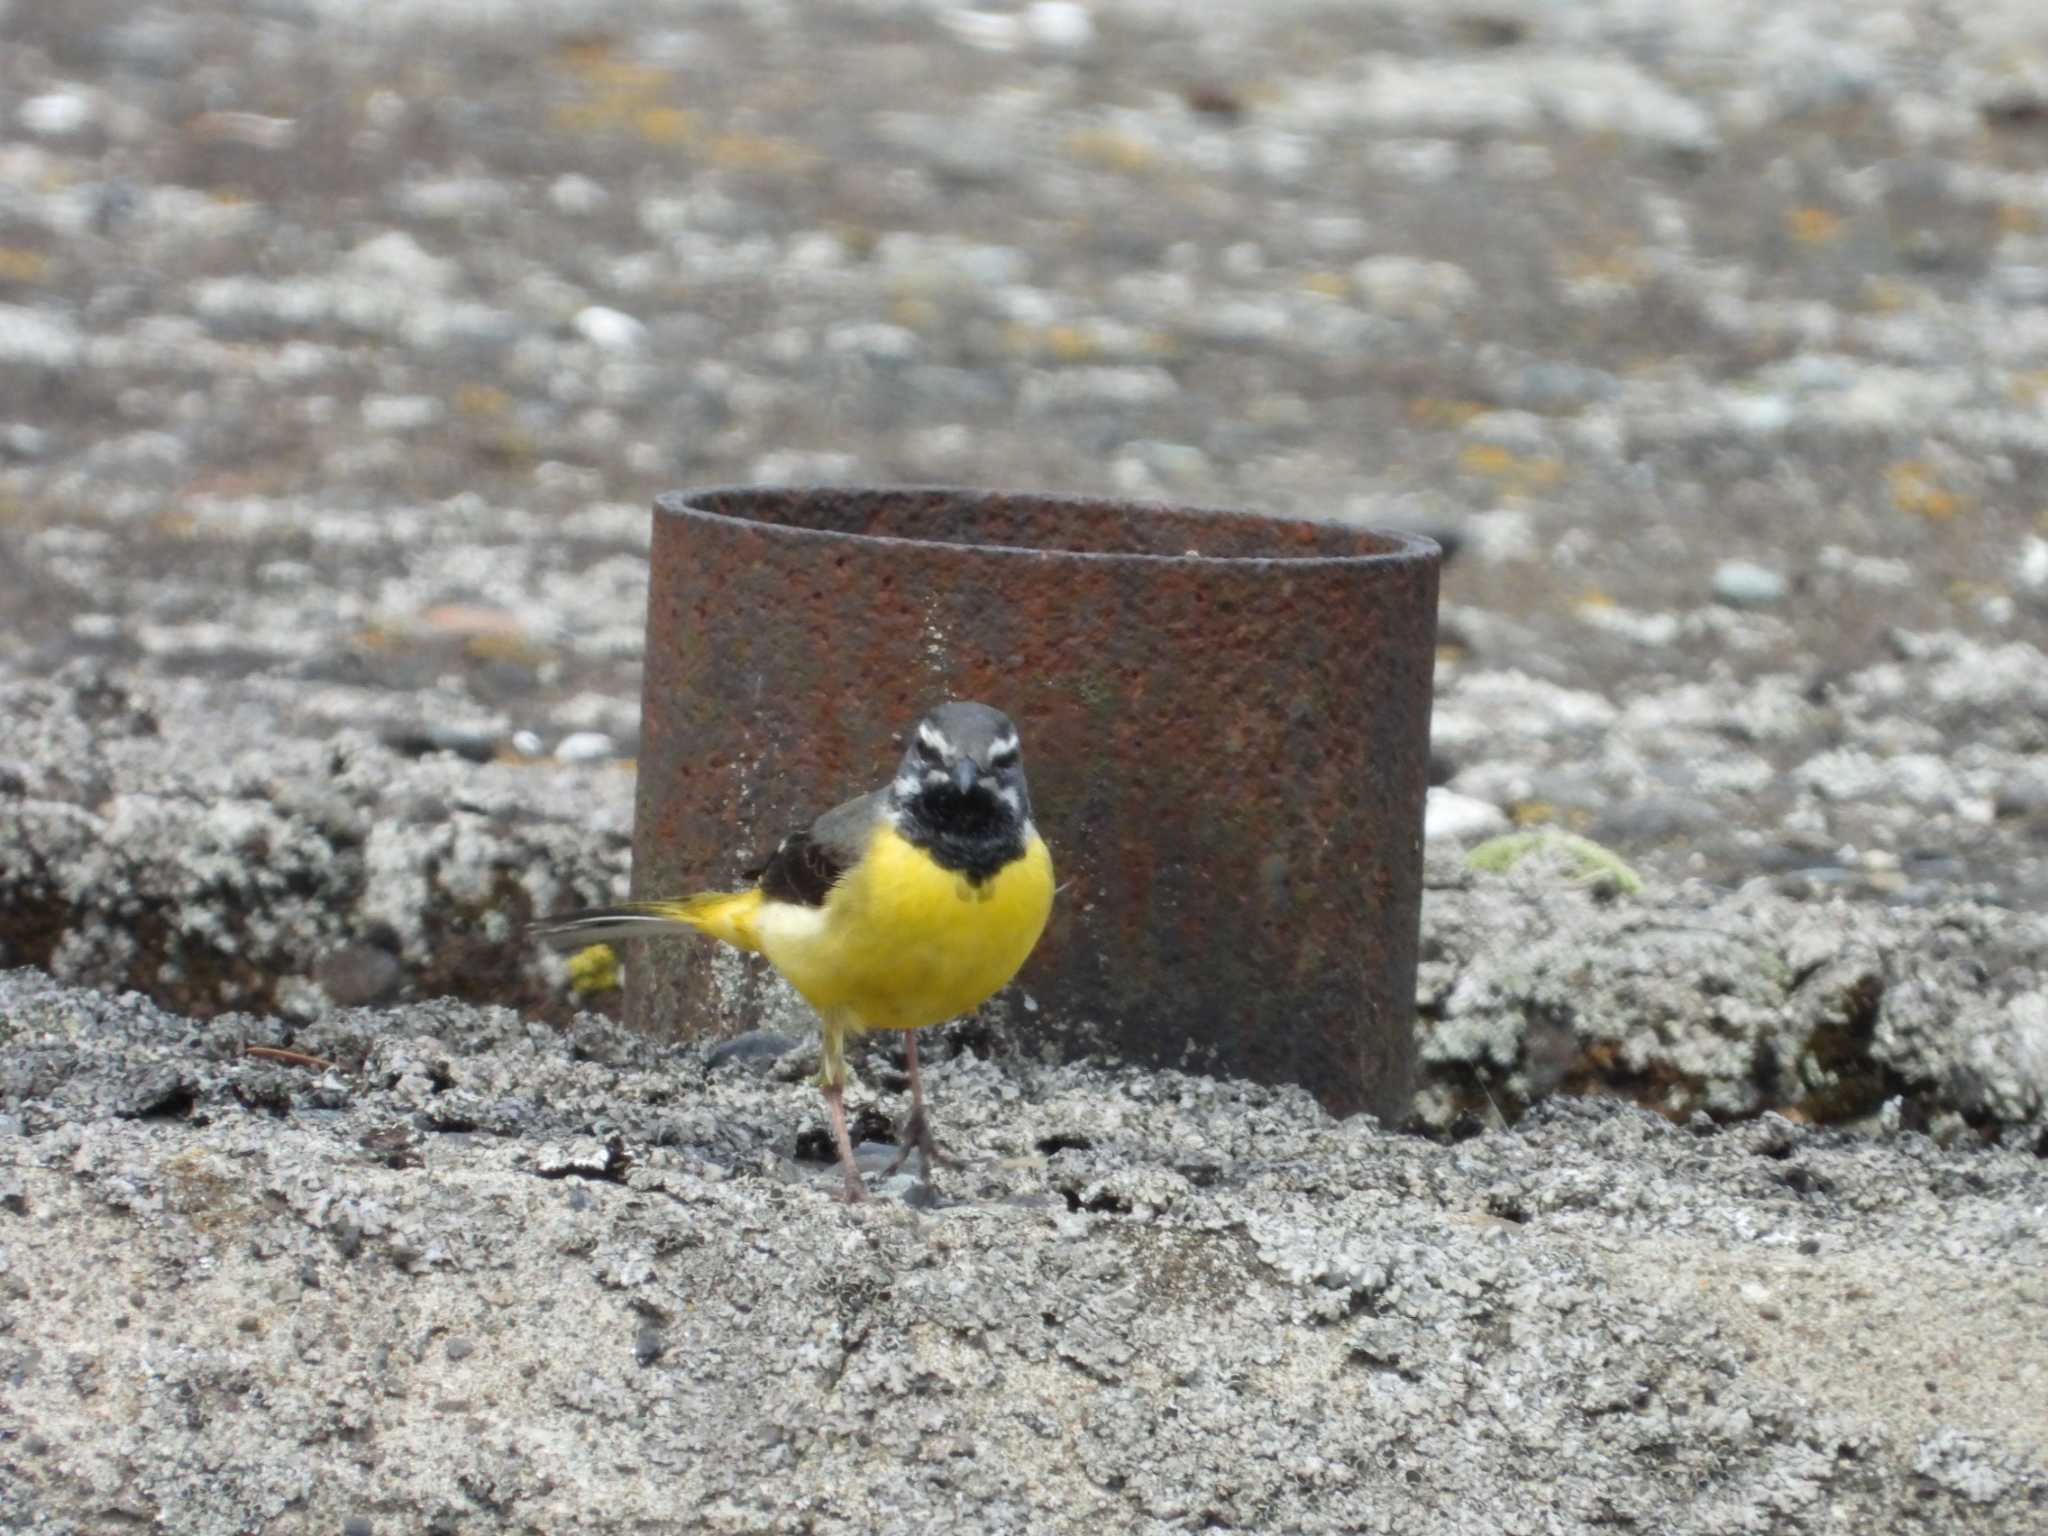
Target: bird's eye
(1003, 757)
(927, 752)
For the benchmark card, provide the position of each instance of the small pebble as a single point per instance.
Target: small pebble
(611, 329)
(55, 114)
(1760, 1298)
(1745, 584)
(19, 440)
(357, 975)
(1451, 817)
(584, 747)
(2031, 570)
(1059, 26)
(387, 414)
(757, 1048)
(478, 743)
(577, 195)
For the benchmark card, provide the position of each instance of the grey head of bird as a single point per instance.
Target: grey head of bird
(960, 789)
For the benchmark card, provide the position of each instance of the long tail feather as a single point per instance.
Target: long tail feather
(727, 915)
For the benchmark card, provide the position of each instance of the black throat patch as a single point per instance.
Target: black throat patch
(974, 835)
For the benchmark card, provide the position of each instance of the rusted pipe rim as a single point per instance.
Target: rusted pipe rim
(741, 506)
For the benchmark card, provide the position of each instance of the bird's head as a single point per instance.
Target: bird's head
(962, 773)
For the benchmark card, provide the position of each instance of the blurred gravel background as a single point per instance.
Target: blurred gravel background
(343, 347)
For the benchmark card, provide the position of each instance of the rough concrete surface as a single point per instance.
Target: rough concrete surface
(342, 349)
(476, 1274)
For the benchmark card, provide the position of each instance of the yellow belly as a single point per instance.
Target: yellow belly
(902, 943)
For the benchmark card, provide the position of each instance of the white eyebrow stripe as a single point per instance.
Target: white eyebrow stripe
(1004, 745)
(933, 737)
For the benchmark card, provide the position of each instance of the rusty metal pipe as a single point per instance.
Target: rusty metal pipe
(1225, 721)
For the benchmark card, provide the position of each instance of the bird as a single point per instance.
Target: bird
(897, 910)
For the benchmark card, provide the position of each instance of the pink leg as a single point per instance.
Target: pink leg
(917, 1130)
(835, 1106)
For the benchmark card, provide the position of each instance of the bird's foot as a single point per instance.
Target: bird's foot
(915, 1135)
(856, 1190)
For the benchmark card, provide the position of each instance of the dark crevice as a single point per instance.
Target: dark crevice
(173, 1099)
(270, 1097)
(1101, 1204)
(1802, 1180)
(1052, 1146)
(2018, 114)
(1508, 1207)
(814, 1142)
(394, 1146)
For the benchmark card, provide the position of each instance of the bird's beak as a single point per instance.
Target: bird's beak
(964, 775)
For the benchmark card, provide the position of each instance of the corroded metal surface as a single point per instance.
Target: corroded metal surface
(1225, 721)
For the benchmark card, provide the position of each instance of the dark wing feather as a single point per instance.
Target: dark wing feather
(808, 863)
(801, 870)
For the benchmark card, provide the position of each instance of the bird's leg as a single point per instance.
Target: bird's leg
(832, 1083)
(835, 1106)
(917, 1130)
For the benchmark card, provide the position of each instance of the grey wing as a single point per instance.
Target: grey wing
(845, 829)
(808, 863)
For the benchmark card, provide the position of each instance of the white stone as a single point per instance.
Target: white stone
(1505, 533)
(584, 747)
(33, 338)
(397, 257)
(1745, 584)
(56, 113)
(2032, 569)
(874, 340)
(1059, 26)
(402, 413)
(1451, 817)
(576, 195)
(611, 329)
(19, 440)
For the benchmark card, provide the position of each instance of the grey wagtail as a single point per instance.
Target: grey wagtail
(902, 908)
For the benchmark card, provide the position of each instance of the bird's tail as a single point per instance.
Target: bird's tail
(727, 915)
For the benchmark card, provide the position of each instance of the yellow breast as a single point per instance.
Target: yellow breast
(902, 943)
